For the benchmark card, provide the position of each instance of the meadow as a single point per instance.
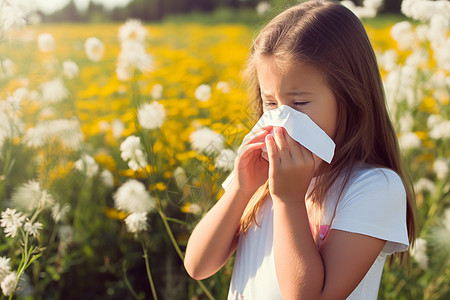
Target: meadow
(84, 144)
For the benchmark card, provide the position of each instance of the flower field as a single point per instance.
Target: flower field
(115, 139)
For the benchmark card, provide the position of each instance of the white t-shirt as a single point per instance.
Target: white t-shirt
(373, 204)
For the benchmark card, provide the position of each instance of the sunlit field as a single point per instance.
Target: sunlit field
(117, 164)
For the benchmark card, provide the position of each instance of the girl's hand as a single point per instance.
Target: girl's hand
(250, 167)
(291, 166)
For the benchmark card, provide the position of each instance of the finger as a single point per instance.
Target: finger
(249, 149)
(255, 135)
(272, 152)
(281, 143)
(295, 147)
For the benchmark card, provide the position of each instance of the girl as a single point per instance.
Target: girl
(305, 229)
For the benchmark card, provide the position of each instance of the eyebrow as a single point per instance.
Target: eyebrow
(290, 93)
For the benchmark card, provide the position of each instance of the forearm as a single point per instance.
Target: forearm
(298, 264)
(211, 242)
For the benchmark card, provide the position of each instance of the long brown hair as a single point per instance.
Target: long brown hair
(332, 38)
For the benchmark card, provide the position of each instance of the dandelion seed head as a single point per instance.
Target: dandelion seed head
(12, 16)
(409, 140)
(8, 284)
(70, 69)
(87, 165)
(54, 91)
(132, 30)
(5, 267)
(117, 127)
(403, 34)
(151, 116)
(46, 42)
(262, 7)
(131, 57)
(441, 167)
(132, 152)
(30, 196)
(225, 160)
(419, 254)
(203, 92)
(7, 68)
(180, 176)
(66, 131)
(157, 91)
(136, 222)
(206, 140)
(132, 197)
(59, 212)
(425, 184)
(94, 49)
(107, 178)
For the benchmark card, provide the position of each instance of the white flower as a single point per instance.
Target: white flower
(30, 196)
(70, 69)
(131, 151)
(136, 222)
(67, 131)
(441, 130)
(409, 140)
(11, 221)
(203, 92)
(54, 91)
(369, 8)
(46, 42)
(180, 176)
(440, 233)
(5, 267)
(156, 91)
(403, 34)
(442, 55)
(225, 160)
(406, 122)
(206, 140)
(152, 115)
(7, 68)
(107, 178)
(131, 57)
(87, 165)
(32, 229)
(8, 284)
(12, 16)
(424, 10)
(424, 184)
(440, 167)
(117, 127)
(94, 49)
(133, 197)
(59, 212)
(388, 60)
(262, 7)
(223, 86)
(132, 30)
(419, 254)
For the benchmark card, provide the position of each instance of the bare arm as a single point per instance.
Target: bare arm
(214, 239)
(303, 271)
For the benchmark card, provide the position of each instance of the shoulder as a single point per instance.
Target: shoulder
(374, 203)
(375, 179)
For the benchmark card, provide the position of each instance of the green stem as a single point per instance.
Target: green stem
(178, 250)
(149, 275)
(127, 282)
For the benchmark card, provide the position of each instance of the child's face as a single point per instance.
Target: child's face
(303, 87)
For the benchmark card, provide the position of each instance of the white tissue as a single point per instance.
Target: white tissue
(301, 128)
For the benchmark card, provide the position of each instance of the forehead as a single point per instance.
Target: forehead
(287, 74)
